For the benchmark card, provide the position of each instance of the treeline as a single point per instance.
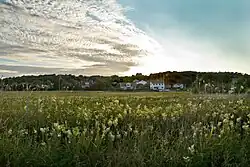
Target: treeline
(196, 81)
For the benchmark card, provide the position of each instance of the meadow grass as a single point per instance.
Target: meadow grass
(123, 129)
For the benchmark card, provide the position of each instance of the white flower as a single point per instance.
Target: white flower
(106, 130)
(119, 116)
(68, 132)
(225, 121)
(214, 114)
(125, 134)
(118, 136)
(55, 125)
(245, 127)
(111, 136)
(238, 119)
(10, 132)
(191, 149)
(115, 122)
(136, 132)
(43, 143)
(232, 117)
(42, 130)
(186, 159)
(231, 123)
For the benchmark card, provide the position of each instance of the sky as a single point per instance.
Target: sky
(123, 37)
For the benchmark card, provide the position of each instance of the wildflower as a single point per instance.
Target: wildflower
(136, 132)
(110, 123)
(76, 131)
(245, 127)
(191, 149)
(115, 122)
(26, 132)
(56, 125)
(225, 121)
(119, 116)
(231, 123)
(111, 136)
(125, 134)
(106, 130)
(42, 130)
(10, 132)
(91, 132)
(43, 143)
(125, 112)
(68, 132)
(151, 127)
(186, 159)
(194, 135)
(238, 119)
(118, 136)
(214, 114)
(25, 108)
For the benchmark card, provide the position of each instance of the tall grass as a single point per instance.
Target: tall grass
(115, 130)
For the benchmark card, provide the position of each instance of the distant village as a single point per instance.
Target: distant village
(197, 82)
(143, 85)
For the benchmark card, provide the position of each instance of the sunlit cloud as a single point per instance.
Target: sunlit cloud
(70, 35)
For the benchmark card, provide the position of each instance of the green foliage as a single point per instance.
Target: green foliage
(123, 129)
(219, 82)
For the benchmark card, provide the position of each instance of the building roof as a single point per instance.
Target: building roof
(156, 82)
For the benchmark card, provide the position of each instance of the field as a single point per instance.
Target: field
(123, 129)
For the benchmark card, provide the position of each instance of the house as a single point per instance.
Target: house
(86, 84)
(141, 82)
(157, 85)
(178, 86)
(127, 86)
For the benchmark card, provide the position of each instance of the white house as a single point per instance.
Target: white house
(86, 84)
(178, 86)
(157, 85)
(141, 82)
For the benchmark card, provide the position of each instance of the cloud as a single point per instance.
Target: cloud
(70, 35)
(103, 37)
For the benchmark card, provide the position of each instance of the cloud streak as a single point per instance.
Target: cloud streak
(78, 34)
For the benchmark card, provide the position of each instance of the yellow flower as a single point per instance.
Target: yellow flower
(110, 123)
